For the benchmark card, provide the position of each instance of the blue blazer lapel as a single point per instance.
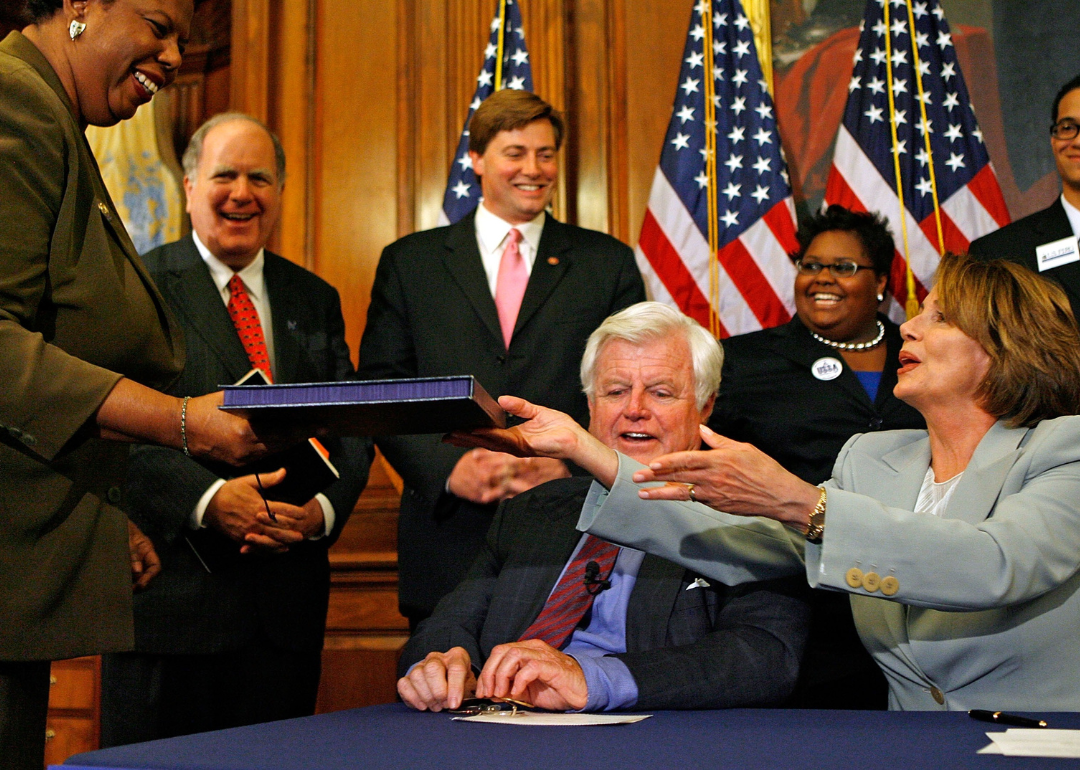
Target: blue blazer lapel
(545, 276)
(199, 302)
(462, 259)
(979, 487)
(284, 312)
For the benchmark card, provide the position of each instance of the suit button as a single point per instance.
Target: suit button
(501, 359)
(939, 696)
(889, 585)
(113, 495)
(854, 577)
(871, 581)
(875, 424)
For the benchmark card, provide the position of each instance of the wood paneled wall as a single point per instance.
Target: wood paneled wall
(369, 97)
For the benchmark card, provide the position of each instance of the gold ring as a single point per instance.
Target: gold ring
(690, 487)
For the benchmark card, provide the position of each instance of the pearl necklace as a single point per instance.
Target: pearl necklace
(854, 346)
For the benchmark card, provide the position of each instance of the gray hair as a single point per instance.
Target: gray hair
(193, 153)
(650, 321)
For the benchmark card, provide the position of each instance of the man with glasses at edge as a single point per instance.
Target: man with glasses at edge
(1047, 241)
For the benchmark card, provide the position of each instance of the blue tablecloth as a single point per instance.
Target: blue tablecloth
(391, 736)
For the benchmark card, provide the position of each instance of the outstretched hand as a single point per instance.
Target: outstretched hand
(732, 477)
(545, 433)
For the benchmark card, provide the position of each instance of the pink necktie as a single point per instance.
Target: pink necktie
(510, 285)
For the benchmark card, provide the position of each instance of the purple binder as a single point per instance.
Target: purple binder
(372, 407)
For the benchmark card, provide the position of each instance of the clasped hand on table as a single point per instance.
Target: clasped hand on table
(532, 671)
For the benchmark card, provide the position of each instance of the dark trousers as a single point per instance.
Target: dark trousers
(24, 704)
(145, 697)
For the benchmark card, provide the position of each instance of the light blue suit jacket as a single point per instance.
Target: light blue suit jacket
(986, 607)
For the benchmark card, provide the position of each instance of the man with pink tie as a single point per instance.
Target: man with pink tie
(509, 295)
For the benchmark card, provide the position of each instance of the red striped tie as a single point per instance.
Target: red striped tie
(570, 600)
(246, 320)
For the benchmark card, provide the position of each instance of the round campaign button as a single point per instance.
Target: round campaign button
(827, 368)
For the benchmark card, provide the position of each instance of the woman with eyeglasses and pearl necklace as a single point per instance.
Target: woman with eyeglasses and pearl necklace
(799, 391)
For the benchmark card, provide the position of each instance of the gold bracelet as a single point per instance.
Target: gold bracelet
(183, 425)
(815, 529)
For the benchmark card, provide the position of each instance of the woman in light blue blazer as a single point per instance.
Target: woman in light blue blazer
(959, 545)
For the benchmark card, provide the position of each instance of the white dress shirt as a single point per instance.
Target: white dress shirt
(1074, 215)
(491, 232)
(255, 286)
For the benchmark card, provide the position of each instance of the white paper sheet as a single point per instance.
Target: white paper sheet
(1034, 742)
(533, 719)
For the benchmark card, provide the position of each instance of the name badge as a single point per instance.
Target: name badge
(827, 368)
(1057, 253)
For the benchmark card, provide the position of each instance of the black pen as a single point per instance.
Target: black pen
(1001, 718)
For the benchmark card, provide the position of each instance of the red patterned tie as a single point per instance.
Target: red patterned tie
(570, 600)
(246, 320)
(510, 284)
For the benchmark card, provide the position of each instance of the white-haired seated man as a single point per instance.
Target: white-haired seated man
(568, 622)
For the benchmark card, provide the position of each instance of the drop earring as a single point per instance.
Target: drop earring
(881, 298)
(76, 28)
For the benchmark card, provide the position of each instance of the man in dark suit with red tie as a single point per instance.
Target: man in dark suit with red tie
(232, 632)
(508, 294)
(1047, 241)
(566, 621)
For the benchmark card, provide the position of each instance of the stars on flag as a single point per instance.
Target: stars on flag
(890, 157)
(724, 199)
(749, 114)
(921, 99)
(462, 188)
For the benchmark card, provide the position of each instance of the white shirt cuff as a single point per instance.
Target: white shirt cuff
(328, 516)
(196, 520)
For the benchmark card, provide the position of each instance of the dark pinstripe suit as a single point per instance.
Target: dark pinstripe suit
(275, 601)
(709, 647)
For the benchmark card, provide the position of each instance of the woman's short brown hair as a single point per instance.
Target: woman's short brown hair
(508, 110)
(1025, 324)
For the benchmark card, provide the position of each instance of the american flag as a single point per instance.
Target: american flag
(506, 65)
(920, 129)
(720, 220)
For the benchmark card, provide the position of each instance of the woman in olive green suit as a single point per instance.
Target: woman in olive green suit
(84, 340)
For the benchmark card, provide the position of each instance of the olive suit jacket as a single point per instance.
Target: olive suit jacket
(1017, 242)
(77, 311)
(432, 314)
